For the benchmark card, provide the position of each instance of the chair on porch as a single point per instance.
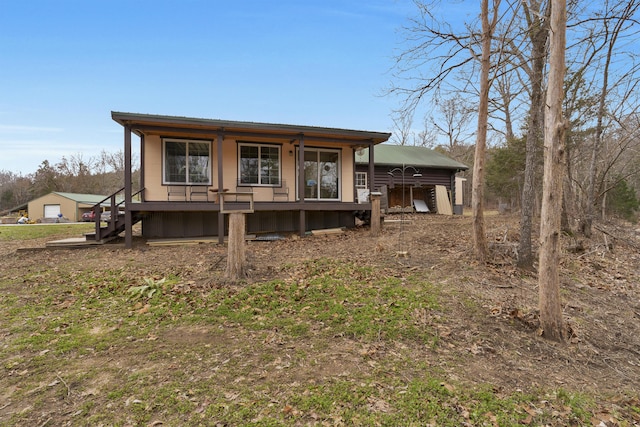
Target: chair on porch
(243, 188)
(199, 193)
(177, 193)
(281, 192)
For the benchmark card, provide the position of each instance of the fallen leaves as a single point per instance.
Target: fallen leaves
(140, 308)
(484, 331)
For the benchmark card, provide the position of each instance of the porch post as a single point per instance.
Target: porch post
(452, 185)
(220, 189)
(128, 220)
(372, 181)
(142, 153)
(302, 222)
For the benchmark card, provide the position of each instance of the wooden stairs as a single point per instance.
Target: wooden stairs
(115, 224)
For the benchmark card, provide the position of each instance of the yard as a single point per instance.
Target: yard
(328, 330)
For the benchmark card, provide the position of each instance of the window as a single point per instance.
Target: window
(321, 174)
(259, 164)
(361, 180)
(186, 162)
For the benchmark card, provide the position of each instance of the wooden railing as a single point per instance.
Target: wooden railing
(115, 223)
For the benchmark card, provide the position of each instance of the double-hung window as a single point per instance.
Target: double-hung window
(361, 180)
(186, 161)
(259, 164)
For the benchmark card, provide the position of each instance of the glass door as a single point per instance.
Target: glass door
(321, 174)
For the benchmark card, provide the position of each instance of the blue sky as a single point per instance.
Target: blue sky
(66, 64)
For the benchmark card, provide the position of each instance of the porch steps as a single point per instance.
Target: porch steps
(114, 227)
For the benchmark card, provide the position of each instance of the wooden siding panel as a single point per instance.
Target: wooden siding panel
(429, 176)
(423, 187)
(157, 225)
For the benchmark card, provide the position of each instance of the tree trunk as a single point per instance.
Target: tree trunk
(525, 253)
(477, 191)
(236, 256)
(629, 10)
(538, 34)
(551, 320)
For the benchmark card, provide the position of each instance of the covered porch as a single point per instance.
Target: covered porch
(313, 187)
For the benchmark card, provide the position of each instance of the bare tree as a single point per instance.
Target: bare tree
(612, 30)
(428, 136)
(551, 320)
(14, 190)
(477, 191)
(436, 53)
(537, 15)
(504, 102)
(76, 173)
(456, 117)
(620, 159)
(402, 132)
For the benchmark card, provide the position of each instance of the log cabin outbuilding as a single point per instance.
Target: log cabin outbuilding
(405, 174)
(287, 178)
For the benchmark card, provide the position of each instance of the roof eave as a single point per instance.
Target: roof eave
(215, 125)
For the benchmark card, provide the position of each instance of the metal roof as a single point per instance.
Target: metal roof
(87, 199)
(140, 121)
(90, 199)
(398, 155)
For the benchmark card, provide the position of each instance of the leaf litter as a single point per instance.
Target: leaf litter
(487, 328)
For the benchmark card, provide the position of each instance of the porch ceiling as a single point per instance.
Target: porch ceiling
(147, 123)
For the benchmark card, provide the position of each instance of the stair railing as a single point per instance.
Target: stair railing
(114, 207)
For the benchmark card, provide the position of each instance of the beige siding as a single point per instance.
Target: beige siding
(155, 191)
(153, 169)
(347, 175)
(459, 190)
(68, 208)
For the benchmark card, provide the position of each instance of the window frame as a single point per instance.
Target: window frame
(259, 146)
(187, 166)
(318, 151)
(366, 179)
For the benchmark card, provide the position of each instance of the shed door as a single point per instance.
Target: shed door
(51, 211)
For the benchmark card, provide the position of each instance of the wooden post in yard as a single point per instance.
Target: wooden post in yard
(236, 256)
(375, 212)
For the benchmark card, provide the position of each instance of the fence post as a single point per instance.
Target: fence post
(236, 255)
(375, 212)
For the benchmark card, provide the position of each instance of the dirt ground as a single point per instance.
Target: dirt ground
(491, 309)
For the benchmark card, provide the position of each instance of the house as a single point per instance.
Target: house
(71, 206)
(286, 178)
(407, 175)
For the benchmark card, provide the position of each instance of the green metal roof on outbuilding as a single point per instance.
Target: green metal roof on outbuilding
(398, 155)
(89, 199)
